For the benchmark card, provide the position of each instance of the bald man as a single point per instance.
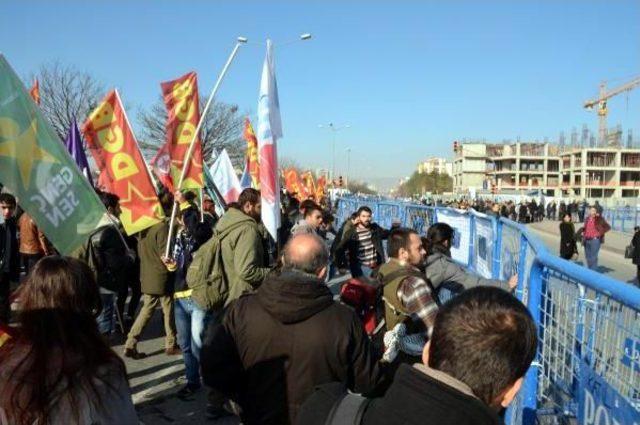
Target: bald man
(275, 345)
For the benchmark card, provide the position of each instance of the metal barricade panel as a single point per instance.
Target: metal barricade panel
(483, 247)
(460, 221)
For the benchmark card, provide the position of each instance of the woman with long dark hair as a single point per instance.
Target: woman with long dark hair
(568, 245)
(56, 367)
(442, 270)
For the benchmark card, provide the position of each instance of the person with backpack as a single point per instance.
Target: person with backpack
(472, 368)
(406, 294)
(275, 345)
(231, 263)
(156, 284)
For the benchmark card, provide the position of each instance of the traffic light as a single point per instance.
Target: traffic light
(456, 146)
(340, 182)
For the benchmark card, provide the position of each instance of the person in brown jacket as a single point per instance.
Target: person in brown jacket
(33, 243)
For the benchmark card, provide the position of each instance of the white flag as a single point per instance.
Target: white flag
(225, 178)
(269, 130)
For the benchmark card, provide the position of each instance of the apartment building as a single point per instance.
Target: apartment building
(519, 168)
(440, 165)
(604, 172)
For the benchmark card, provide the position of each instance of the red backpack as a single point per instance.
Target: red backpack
(362, 294)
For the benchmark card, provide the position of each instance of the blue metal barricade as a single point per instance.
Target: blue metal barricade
(587, 370)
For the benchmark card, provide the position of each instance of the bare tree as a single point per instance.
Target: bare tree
(66, 93)
(222, 129)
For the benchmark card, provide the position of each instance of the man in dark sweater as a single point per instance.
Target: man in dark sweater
(275, 345)
(468, 375)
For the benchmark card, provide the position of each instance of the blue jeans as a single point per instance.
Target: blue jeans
(591, 249)
(191, 321)
(106, 322)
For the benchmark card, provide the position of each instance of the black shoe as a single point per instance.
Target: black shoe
(188, 390)
(134, 354)
(215, 412)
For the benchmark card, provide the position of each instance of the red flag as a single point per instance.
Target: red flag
(183, 114)
(309, 186)
(35, 91)
(122, 168)
(292, 183)
(321, 185)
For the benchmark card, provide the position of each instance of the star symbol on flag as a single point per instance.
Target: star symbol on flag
(23, 147)
(136, 198)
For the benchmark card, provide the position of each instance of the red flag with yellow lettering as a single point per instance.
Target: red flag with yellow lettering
(122, 168)
(252, 154)
(183, 113)
(309, 186)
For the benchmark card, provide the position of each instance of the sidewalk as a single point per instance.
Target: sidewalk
(614, 241)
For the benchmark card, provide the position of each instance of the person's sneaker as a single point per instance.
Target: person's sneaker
(188, 390)
(133, 353)
(214, 412)
(173, 351)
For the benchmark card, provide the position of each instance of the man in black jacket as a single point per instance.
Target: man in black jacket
(362, 241)
(274, 346)
(468, 375)
(9, 257)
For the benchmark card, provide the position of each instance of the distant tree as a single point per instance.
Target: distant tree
(355, 186)
(222, 129)
(286, 163)
(433, 182)
(66, 93)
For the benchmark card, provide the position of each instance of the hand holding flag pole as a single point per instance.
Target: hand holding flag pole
(187, 158)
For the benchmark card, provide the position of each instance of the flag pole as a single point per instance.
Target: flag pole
(187, 158)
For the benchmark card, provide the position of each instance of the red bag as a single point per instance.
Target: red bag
(363, 297)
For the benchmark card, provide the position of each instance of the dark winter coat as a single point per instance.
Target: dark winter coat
(115, 265)
(635, 242)
(13, 256)
(417, 396)
(568, 245)
(277, 344)
(349, 243)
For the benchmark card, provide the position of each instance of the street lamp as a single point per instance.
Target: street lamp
(334, 129)
(302, 37)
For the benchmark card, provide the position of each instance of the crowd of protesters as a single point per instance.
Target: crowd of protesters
(279, 347)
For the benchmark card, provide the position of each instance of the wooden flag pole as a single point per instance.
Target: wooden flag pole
(187, 158)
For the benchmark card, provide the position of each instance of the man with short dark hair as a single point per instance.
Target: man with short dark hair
(483, 342)
(406, 293)
(274, 346)
(362, 240)
(9, 259)
(311, 221)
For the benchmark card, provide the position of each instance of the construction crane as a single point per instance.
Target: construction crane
(601, 102)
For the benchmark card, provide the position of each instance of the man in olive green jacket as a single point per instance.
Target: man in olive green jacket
(242, 247)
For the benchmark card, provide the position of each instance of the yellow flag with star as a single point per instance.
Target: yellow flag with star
(36, 167)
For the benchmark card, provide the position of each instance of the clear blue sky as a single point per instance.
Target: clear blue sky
(410, 77)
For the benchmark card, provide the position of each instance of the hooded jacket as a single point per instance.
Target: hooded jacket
(441, 269)
(243, 256)
(277, 344)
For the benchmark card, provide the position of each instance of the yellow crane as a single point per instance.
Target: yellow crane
(601, 102)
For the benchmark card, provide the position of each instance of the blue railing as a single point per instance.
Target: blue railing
(588, 363)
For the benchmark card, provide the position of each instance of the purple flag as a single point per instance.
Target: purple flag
(74, 147)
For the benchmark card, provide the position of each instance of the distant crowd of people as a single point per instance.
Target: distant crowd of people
(257, 323)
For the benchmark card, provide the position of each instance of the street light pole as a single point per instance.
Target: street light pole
(334, 130)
